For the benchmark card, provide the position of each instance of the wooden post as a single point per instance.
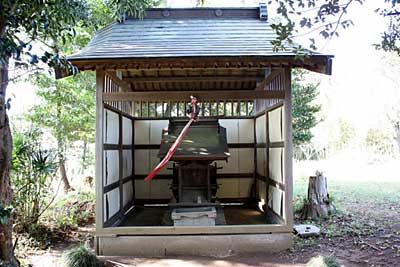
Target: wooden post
(288, 159)
(99, 149)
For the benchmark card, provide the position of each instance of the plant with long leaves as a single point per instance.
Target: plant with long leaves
(32, 175)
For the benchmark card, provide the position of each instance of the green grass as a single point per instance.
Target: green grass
(80, 256)
(342, 191)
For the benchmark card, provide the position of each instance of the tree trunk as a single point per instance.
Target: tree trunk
(64, 178)
(84, 155)
(318, 204)
(6, 244)
(397, 132)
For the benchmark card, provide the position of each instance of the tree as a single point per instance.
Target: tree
(23, 24)
(326, 18)
(43, 24)
(67, 109)
(304, 109)
(391, 71)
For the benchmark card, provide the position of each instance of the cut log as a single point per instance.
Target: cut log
(318, 204)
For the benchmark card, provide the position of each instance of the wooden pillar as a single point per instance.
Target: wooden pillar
(99, 149)
(121, 166)
(288, 159)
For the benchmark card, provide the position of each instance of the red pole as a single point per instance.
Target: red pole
(175, 145)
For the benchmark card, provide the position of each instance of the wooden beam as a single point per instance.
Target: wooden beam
(269, 79)
(185, 95)
(125, 87)
(194, 79)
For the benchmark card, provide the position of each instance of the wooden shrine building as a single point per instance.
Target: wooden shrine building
(232, 192)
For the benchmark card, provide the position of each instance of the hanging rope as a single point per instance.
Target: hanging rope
(194, 112)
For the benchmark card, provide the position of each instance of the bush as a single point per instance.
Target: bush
(323, 261)
(80, 256)
(73, 210)
(379, 141)
(32, 173)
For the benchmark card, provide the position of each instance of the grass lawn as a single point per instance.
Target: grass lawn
(366, 229)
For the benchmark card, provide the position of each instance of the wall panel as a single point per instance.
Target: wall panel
(275, 197)
(261, 161)
(128, 192)
(260, 130)
(112, 202)
(127, 131)
(241, 159)
(111, 167)
(142, 132)
(111, 129)
(276, 164)
(228, 188)
(117, 167)
(246, 133)
(127, 163)
(275, 122)
(245, 185)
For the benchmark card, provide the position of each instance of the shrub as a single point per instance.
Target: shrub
(323, 261)
(32, 173)
(73, 210)
(80, 256)
(379, 141)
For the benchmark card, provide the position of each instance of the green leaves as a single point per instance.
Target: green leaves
(134, 8)
(66, 109)
(304, 110)
(32, 172)
(307, 17)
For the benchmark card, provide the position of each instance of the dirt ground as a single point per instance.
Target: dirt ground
(370, 236)
(365, 232)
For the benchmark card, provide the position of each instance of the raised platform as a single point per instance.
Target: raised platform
(160, 216)
(192, 245)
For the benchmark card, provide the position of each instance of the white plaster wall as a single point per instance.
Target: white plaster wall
(260, 129)
(126, 163)
(245, 187)
(275, 120)
(111, 167)
(275, 164)
(142, 160)
(142, 132)
(113, 202)
(275, 199)
(111, 127)
(261, 161)
(126, 131)
(228, 188)
(142, 189)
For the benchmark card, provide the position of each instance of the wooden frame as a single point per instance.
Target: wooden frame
(185, 95)
(115, 97)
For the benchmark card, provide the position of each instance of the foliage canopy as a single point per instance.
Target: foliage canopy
(304, 109)
(326, 17)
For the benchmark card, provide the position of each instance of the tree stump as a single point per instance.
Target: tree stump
(318, 203)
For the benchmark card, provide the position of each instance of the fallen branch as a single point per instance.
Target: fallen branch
(372, 246)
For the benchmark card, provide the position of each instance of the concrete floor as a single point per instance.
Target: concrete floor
(160, 216)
